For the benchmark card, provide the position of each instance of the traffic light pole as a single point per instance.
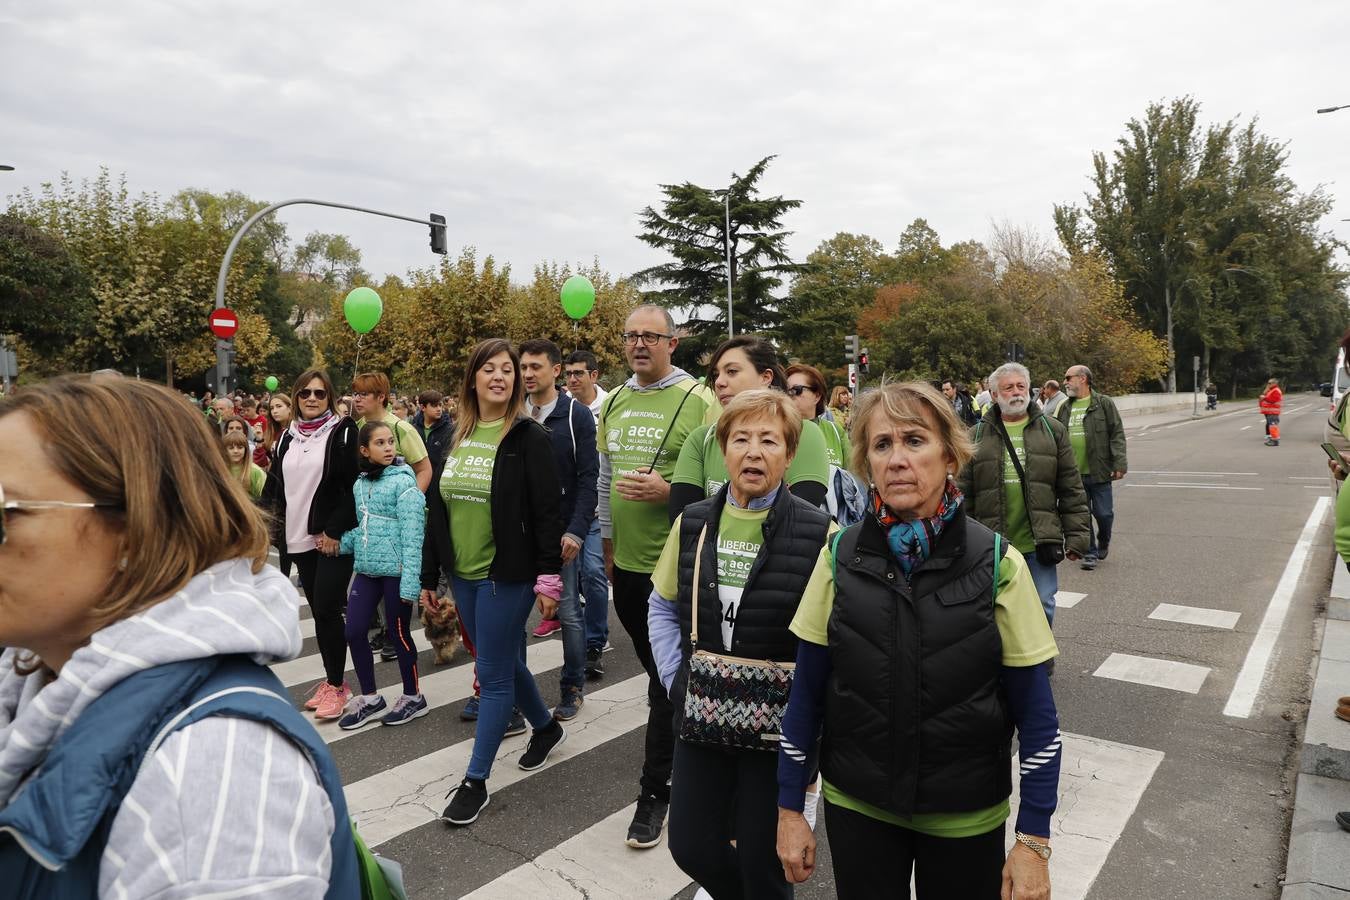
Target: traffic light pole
(223, 347)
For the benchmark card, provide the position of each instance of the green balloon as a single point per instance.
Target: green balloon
(271, 382)
(363, 308)
(578, 296)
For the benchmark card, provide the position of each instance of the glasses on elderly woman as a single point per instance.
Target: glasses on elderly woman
(7, 506)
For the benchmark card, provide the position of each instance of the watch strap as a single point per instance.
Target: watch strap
(1040, 849)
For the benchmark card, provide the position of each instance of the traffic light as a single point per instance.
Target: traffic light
(862, 362)
(438, 234)
(850, 348)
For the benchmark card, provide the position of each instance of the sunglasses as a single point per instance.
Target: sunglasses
(26, 505)
(798, 389)
(316, 393)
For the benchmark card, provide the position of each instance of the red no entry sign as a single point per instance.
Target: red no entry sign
(224, 323)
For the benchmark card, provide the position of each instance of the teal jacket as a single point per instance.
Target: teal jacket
(1105, 435)
(390, 524)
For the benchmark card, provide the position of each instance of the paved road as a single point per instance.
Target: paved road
(1164, 794)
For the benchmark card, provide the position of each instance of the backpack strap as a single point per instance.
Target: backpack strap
(999, 550)
(834, 557)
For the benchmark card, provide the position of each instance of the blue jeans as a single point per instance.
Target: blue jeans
(1103, 512)
(573, 626)
(595, 590)
(1046, 579)
(494, 612)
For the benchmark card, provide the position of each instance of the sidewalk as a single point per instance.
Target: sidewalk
(1318, 867)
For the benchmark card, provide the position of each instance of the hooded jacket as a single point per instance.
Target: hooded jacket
(390, 524)
(1052, 493)
(169, 837)
(1105, 435)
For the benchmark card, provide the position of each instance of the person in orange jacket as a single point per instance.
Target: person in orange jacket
(1270, 408)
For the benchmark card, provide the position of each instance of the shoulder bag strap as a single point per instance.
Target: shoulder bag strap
(670, 427)
(998, 547)
(693, 597)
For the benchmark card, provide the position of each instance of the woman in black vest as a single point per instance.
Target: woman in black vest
(756, 543)
(923, 645)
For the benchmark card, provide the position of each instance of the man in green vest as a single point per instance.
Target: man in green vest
(1033, 498)
(1098, 440)
(643, 424)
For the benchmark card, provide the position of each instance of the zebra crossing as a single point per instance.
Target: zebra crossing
(539, 840)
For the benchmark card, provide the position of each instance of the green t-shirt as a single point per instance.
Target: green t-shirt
(466, 488)
(1078, 435)
(632, 426)
(837, 447)
(1014, 501)
(257, 478)
(701, 462)
(1027, 641)
(740, 534)
(407, 442)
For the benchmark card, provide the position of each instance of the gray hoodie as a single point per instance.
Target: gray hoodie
(224, 805)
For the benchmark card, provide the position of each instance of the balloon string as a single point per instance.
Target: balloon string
(356, 369)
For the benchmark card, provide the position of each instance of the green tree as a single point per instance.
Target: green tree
(691, 227)
(535, 311)
(840, 278)
(44, 293)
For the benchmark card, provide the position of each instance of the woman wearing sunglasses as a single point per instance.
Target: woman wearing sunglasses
(317, 462)
(139, 726)
(741, 364)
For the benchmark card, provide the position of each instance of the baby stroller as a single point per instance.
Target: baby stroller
(1211, 397)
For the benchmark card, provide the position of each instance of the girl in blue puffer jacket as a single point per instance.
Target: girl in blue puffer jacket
(387, 544)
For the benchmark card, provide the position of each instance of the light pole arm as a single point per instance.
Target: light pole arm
(1331, 109)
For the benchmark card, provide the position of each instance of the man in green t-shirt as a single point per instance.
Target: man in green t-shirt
(370, 393)
(1033, 498)
(1098, 439)
(642, 426)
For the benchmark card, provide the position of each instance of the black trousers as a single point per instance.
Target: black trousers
(325, 580)
(872, 859)
(717, 796)
(631, 590)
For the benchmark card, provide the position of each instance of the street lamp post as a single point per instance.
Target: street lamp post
(223, 361)
(726, 245)
(1332, 109)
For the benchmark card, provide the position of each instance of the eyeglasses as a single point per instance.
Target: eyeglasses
(25, 505)
(576, 373)
(316, 393)
(648, 338)
(798, 389)
(359, 395)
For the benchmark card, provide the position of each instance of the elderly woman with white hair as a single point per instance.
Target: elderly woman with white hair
(922, 649)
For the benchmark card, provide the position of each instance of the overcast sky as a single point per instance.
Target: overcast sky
(541, 129)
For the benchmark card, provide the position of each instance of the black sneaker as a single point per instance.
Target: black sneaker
(1101, 550)
(516, 725)
(466, 802)
(387, 651)
(541, 745)
(594, 667)
(1343, 820)
(1088, 564)
(648, 822)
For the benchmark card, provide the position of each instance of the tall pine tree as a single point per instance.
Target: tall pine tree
(692, 227)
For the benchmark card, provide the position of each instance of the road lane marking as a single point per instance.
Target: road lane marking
(1191, 474)
(1203, 487)
(1242, 701)
(1067, 599)
(405, 797)
(446, 687)
(1100, 785)
(1245, 427)
(1163, 673)
(1195, 615)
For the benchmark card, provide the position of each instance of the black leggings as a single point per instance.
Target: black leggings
(717, 796)
(872, 859)
(325, 579)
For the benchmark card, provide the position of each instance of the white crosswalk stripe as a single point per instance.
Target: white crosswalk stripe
(1101, 783)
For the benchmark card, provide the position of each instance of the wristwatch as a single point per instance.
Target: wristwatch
(1035, 846)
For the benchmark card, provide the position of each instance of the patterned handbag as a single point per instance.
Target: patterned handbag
(729, 701)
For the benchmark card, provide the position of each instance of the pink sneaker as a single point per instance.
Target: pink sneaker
(547, 627)
(333, 703)
(318, 695)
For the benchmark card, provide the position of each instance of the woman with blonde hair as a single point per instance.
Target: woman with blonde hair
(841, 404)
(251, 477)
(144, 678)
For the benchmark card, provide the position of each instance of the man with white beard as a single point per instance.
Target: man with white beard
(1023, 481)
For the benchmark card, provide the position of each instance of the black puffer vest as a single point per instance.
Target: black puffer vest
(915, 717)
(794, 532)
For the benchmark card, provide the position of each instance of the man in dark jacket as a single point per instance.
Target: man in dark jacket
(433, 425)
(571, 429)
(1098, 440)
(1035, 498)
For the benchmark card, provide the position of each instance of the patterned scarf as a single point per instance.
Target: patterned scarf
(912, 541)
(308, 427)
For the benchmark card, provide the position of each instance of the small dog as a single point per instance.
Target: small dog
(440, 624)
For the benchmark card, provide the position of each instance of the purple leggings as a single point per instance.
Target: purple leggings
(366, 593)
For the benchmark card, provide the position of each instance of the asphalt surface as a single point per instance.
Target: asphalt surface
(1208, 518)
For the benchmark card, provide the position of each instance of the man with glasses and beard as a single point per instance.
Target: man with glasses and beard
(643, 425)
(1024, 483)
